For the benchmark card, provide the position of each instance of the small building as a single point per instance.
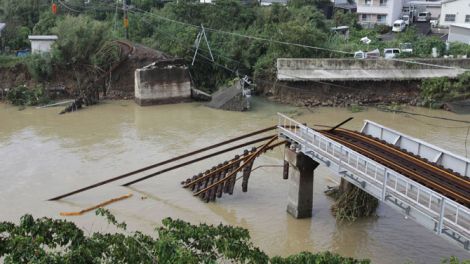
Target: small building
(455, 12)
(459, 33)
(162, 82)
(41, 43)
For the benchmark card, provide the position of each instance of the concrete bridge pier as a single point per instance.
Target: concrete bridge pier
(300, 197)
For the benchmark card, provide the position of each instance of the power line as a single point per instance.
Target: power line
(246, 36)
(68, 7)
(423, 115)
(277, 41)
(291, 43)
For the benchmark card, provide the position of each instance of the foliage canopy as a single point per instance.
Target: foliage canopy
(45, 240)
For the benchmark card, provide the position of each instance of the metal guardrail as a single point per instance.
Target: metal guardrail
(418, 147)
(431, 209)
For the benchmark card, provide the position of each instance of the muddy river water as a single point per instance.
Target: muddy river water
(43, 154)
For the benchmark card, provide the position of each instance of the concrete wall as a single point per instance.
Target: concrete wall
(460, 34)
(162, 83)
(38, 46)
(289, 69)
(459, 8)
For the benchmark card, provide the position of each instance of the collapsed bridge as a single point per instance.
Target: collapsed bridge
(422, 181)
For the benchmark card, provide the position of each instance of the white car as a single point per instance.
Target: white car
(391, 53)
(399, 26)
(367, 55)
(424, 17)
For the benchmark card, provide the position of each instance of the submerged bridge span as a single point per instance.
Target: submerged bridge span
(422, 181)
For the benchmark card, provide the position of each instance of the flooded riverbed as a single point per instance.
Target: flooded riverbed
(44, 154)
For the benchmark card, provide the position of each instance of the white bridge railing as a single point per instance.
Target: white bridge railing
(429, 208)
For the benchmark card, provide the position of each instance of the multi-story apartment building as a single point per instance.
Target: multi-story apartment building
(373, 12)
(455, 12)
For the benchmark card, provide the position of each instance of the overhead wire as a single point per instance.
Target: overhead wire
(68, 7)
(279, 42)
(290, 43)
(235, 72)
(271, 40)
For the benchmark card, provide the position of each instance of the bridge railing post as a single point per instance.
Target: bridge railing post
(441, 216)
(384, 186)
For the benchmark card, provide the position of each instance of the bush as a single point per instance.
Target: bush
(46, 240)
(443, 88)
(458, 48)
(423, 46)
(79, 39)
(22, 96)
(39, 66)
(382, 29)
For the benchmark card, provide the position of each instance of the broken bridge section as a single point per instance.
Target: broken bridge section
(220, 179)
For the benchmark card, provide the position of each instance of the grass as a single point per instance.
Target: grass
(7, 61)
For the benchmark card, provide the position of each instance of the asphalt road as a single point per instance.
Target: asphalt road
(423, 28)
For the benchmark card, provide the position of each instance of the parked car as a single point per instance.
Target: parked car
(399, 26)
(367, 55)
(424, 17)
(407, 19)
(391, 53)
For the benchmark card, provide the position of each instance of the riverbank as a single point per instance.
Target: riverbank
(344, 94)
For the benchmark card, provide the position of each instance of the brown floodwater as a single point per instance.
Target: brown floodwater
(44, 154)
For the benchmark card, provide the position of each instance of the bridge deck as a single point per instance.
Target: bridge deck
(443, 181)
(429, 193)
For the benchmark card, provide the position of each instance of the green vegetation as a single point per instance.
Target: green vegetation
(45, 240)
(86, 32)
(40, 67)
(24, 96)
(445, 89)
(7, 61)
(355, 108)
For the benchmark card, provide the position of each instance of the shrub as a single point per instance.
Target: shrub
(22, 95)
(382, 29)
(39, 66)
(79, 39)
(46, 240)
(457, 48)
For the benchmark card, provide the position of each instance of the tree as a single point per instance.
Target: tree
(45, 240)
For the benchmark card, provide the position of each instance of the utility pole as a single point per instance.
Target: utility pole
(126, 18)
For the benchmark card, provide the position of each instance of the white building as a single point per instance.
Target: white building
(455, 12)
(459, 33)
(373, 12)
(433, 7)
(41, 44)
